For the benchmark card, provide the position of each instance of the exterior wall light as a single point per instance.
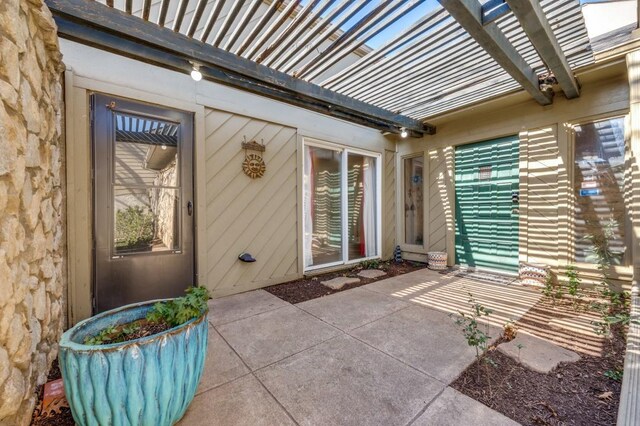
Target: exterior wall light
(403, 133)
(195, 73)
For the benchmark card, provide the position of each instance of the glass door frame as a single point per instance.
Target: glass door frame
(344, 200)
(619, 271)
(413, 248)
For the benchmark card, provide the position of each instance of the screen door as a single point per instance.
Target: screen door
(143, 194)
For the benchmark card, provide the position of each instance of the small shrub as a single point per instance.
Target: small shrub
(370, 264)
(178, 311)
(477, 336)
(614, 374)
(134, 228)
(573, 285)
(170, 313)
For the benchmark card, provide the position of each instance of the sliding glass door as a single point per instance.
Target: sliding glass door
(341, 206)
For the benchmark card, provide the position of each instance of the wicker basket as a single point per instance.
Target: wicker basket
(437, 260)
(535, 274)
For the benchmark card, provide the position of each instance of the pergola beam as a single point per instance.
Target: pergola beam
(95, 24)
(535, 24)
(468, 13)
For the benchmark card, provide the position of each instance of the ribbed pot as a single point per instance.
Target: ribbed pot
(147, 381)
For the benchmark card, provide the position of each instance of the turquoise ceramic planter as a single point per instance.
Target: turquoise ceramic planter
(148, 381)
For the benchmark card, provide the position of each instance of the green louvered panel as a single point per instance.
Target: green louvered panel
(486, 222)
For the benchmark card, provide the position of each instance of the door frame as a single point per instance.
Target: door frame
(79, 192)
(185, 157)
(517, 137)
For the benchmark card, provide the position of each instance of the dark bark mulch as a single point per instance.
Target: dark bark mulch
(309, 288)
(572, 394)
(61, 416)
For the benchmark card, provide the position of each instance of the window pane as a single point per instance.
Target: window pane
(144, 150)
(146, 220)
(413, 206)
(322, 199)
(361, 186)
(599, 181)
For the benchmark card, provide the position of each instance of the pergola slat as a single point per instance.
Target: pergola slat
(536, 26)
(197, 16)
(162, 15)
(317, 42)
(275, 26)
(293, 32)
(211, 20)
(468, 13)
(394, 13)
(94, 24)
(244, 21)
(228, 21)
(264, 20)
(182, 8)
(321, 25)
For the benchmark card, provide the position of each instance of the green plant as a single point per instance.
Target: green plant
(170, 313)
(182, 309)
(112, 334)
(573, 285)
(134, 228)
(614, 374)
(552, 291)
(476, 336)
(615, 309)
(370, 264)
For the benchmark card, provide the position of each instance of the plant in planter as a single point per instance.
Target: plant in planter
(137, 365)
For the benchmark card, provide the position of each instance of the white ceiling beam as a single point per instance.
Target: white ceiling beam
(468, 13)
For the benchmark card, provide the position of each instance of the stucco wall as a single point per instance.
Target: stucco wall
(31, 204)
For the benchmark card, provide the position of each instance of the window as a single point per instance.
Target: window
(599, 190)
(341, 206)
(145, 185)
(413, 205)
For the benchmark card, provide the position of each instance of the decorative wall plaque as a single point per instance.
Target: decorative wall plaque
(253, 164)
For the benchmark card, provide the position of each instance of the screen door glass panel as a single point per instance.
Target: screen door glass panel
(413, 205)
(362, 221)
(599, 190)
(324, 214)
(146, 192)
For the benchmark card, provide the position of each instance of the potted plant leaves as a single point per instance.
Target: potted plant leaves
(136, 365)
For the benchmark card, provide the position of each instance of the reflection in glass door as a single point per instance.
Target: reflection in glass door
(341, 206)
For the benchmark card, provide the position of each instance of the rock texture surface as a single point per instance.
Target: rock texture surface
(32, 234)
(537, 354)
(339, 282)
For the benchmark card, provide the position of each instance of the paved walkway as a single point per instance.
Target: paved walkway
(381, 354)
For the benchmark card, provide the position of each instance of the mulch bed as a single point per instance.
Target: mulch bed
(309, 288)
(572, 394)
(60, 417)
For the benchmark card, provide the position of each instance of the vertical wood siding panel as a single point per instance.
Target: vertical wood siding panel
(437, 193)
(253, 215)
(389, 204)
(541, 200)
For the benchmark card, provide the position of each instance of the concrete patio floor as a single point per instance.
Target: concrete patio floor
(380, 354)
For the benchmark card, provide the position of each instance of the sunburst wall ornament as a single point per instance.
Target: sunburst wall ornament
(253, 164)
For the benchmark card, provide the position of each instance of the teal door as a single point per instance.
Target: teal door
(486, 182)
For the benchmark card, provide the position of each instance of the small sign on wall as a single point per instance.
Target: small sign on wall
(484, 173)
(589, 192)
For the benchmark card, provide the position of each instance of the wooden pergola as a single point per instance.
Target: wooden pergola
(315, 53)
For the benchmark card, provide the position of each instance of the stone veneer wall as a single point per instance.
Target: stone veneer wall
(32, 218)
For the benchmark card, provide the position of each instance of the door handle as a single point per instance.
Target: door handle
(189, 208)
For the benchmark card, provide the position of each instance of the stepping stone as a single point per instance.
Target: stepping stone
(371, 273)
(339, 282)
(537, 354)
